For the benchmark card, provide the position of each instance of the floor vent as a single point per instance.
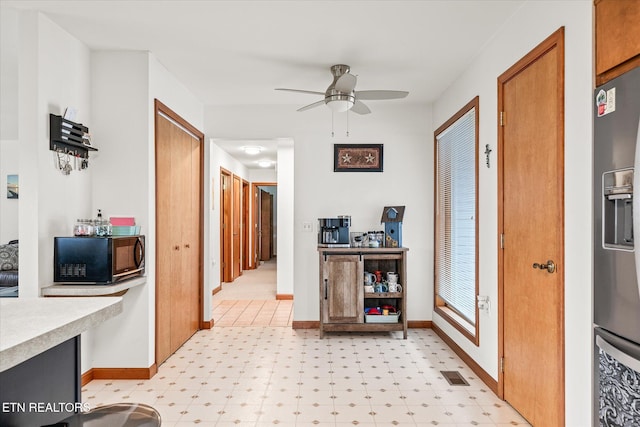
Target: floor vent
(454, 378)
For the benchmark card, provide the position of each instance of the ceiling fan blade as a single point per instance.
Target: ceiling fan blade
(346, 83)
(301, 91)
(310, 106)
(380, 94)
(360, 108)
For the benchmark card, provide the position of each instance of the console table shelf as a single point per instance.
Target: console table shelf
(342, 297)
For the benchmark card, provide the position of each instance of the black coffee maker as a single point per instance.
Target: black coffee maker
(334, 232)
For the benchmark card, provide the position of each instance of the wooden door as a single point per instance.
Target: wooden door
(236, 243)
(181, 276)
(342, 290)
(246, 247)
(164, 249)
(225, 227)
(531, 219)
(266, 225)
(179, 161)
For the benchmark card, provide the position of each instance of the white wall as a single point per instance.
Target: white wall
(124, 86)
(9, 44)
(46, 87)
(319, 192)
(285, 226)
(534, 22)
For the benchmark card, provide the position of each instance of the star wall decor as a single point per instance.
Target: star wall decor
(357, 157)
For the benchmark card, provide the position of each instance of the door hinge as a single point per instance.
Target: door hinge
(501, 118)
(502, 364)
(501, 240)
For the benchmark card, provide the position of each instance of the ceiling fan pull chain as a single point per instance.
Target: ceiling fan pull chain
(347, 123)
(332, 134)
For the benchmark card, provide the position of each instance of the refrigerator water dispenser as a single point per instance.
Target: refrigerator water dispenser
(617, 209)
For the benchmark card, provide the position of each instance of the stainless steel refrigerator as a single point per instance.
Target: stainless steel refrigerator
(616, 296)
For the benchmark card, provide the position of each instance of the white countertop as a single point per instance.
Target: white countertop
(74, 290)
(30, 326)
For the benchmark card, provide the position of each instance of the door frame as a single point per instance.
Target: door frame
(226, 266)
(162, 109)
(255, 216)
(236, 227)
(245, 227)
(555, 40)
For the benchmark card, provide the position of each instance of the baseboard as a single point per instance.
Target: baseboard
(216, 290)
(315, 324)
(481, 373)
(119, 374)
(283, 297)
(419, 324)
(305, 324)
(86, 378)
(206, 324)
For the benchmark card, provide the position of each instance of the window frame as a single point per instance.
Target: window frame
(470, 331)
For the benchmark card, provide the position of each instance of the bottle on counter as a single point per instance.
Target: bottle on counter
(101, 226)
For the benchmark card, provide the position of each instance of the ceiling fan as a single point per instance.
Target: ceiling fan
(340, 96)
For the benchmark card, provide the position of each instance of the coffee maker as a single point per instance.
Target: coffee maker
(334, 232)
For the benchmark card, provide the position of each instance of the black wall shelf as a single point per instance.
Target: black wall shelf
(66, 136)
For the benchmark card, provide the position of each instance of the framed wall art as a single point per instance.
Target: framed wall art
(12, 186)
(357, 157)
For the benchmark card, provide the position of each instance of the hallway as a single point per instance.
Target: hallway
(250, 300)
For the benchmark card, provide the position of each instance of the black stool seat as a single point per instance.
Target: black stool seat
(116, 415)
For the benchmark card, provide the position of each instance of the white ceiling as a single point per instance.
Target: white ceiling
(238, 52)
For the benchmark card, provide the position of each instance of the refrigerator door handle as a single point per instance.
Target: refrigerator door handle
(617, 354)
(636, 202)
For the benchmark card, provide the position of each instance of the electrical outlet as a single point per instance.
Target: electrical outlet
(307, 226)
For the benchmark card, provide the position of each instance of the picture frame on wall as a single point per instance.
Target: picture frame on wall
(358, 157)
(12, 187)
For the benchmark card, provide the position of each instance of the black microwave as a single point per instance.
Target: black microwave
(97, 260)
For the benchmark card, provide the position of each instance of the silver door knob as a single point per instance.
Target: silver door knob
(550, 266)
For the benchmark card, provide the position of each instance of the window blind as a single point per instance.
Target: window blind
(456, 208)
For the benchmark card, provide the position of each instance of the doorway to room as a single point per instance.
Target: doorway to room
(251, 299)
(531, 224)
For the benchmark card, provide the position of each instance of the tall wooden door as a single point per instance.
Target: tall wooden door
(178, 231)
(246, 247)
(236, 244)
(226, 271)
(266, 225)
(531, 274)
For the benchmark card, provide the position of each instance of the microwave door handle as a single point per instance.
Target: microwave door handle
(138, 249)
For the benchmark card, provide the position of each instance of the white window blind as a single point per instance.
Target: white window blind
(456, 210)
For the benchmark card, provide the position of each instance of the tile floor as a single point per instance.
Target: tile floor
(265, 376)
(253, 313)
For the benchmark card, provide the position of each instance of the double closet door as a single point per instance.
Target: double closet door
(178, 231)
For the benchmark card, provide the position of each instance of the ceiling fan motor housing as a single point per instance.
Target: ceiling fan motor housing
(332, 94)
